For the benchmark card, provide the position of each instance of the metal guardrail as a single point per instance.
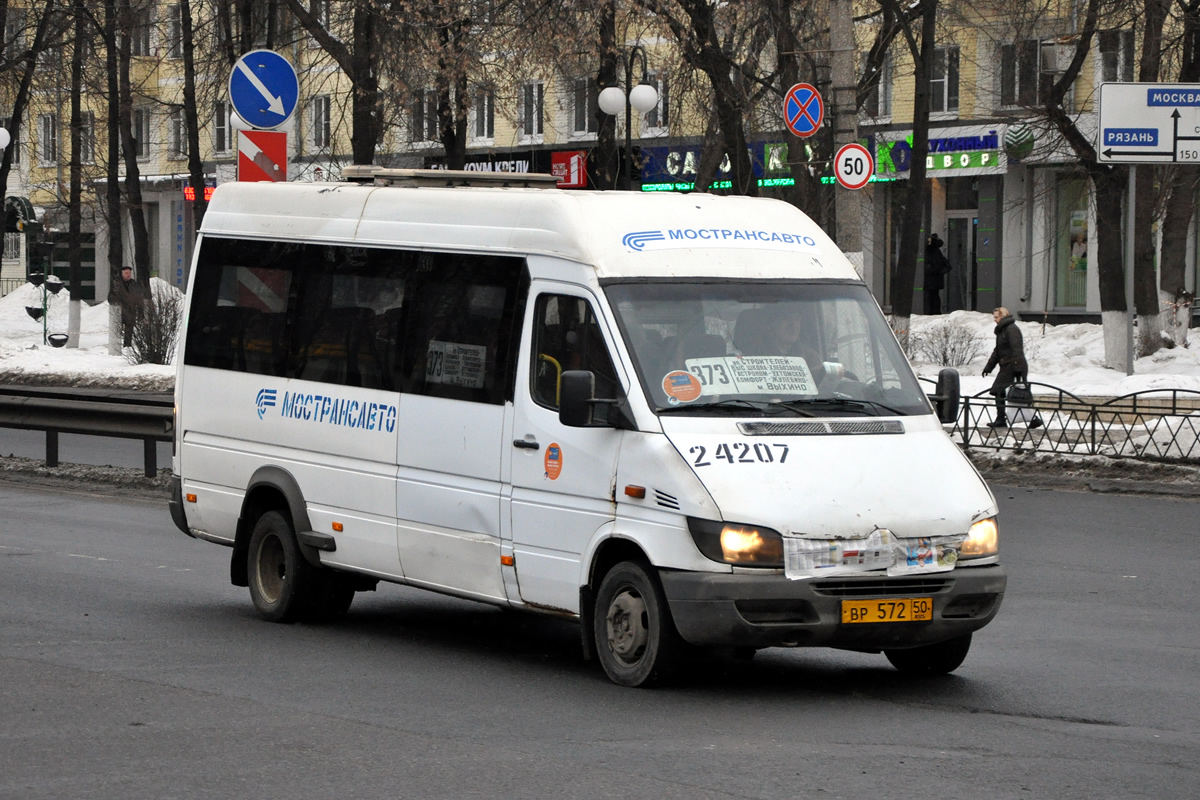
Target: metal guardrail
(1151, 425)
(123, 414)
(8, 285)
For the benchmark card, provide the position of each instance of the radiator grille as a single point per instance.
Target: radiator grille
(882, 587)
(822, 428)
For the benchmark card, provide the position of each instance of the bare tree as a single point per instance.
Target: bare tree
(912, 225)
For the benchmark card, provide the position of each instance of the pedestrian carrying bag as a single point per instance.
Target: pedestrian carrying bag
(1020, 403)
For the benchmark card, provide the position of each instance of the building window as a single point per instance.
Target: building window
(659, 116)
(320, 10)
(222, 130)
(87, 138)
(485, 113)
(14, 30)
(532, 100)
(141, 132)
(1019, 70)
(319, 122)
(176, 134)
(1071, 247)
(481, 13)
(48, 139)
(14, 144)
(585, 106)
(174, 31)
(1116, 55)
(879, 100)
(424, 126)
(139, 42)
(943, 85)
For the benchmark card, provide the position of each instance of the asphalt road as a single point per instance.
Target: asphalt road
(130, 668)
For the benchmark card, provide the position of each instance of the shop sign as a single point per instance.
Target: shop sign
(679, 164)
(570, 167)
(965, 152)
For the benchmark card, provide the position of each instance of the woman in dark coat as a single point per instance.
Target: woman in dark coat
(1009, 355)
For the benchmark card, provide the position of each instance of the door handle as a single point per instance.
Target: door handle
(526, 444)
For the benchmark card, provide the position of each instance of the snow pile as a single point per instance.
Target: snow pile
(1070, 357)
(24, 359)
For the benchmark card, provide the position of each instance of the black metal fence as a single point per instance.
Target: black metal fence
(1155, 425)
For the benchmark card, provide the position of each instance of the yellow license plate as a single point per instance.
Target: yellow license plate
(902, 609)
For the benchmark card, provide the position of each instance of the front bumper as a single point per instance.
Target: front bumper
(745, 610)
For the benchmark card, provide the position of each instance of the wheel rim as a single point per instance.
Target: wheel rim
(628, 633)
(272, 569)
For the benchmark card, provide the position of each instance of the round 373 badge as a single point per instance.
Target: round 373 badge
(553, 461)
(681, 387)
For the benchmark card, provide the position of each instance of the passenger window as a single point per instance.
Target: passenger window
(566, 336)
(460, 342)
(238, 308)
(440, 324)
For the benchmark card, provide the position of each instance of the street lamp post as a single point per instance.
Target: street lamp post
(54, 286)
(642, 97)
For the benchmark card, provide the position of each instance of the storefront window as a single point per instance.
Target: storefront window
(1071, 246)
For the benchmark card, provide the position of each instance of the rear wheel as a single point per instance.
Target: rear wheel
(282, 583)
(636, 640)
(932, 659)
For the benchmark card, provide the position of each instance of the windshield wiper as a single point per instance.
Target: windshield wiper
(842, 403)
(731, 404)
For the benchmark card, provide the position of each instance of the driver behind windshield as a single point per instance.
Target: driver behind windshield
(776, 331)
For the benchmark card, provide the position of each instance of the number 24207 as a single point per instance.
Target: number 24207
(740, 453)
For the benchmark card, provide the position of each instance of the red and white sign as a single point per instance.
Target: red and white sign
(853, 166)
(262, 156)
(803, 110)
(570, 167)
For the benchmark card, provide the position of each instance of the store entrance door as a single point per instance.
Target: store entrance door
(961, 229)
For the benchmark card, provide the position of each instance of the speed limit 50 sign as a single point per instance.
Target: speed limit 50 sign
(853, 166)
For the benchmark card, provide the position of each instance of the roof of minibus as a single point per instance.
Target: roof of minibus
(620, 234)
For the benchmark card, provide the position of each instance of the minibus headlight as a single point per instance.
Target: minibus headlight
(735, 543)
(982, 540)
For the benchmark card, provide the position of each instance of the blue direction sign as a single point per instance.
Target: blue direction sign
(1149, 123)
(263, 89)
(803, 110)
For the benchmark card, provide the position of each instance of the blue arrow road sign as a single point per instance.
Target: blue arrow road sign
(263, 89)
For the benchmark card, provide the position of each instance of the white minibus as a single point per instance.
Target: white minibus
(679, 419)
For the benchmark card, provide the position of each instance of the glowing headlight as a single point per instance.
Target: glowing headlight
(982, 540)
(733, 543)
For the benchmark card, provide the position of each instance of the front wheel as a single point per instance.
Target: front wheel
(932, 659)
(282, 583)
(636, 640)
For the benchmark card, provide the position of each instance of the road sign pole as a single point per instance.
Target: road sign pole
(1129, 257)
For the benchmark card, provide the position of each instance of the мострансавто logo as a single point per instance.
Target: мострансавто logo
(265, 400)
(677, 238)
(320, 408)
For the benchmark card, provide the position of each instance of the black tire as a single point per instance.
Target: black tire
(282, 584)
(932, 659)
(636, 640)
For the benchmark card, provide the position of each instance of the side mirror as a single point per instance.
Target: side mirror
(948, 396)
(576, 400)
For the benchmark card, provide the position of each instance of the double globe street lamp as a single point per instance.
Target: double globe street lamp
(642, 97)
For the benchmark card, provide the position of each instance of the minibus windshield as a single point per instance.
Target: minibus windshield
(758, 348)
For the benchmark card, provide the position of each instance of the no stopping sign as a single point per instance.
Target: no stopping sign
(853, 166)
